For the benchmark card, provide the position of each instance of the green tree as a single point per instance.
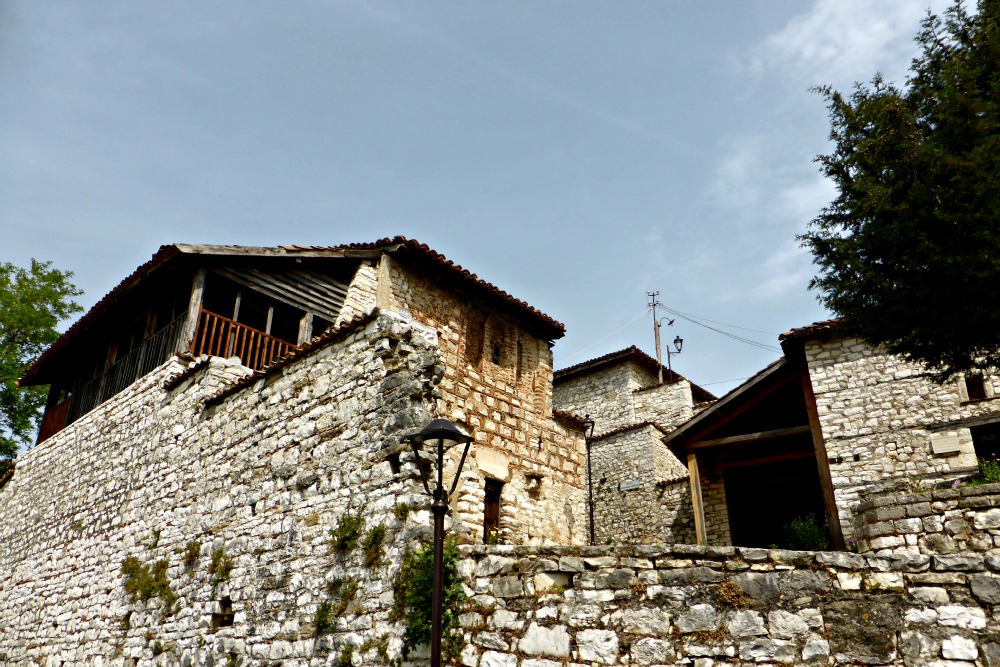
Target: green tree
(32, 302)
(909, 251)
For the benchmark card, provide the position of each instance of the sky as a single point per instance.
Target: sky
(575, 154)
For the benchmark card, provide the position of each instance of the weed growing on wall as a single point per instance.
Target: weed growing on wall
(346, 658)
(731, 595)
(989, 473)
(220, 568)
(345, 536)
(323, 621)
(412, 603)
(191, 553)
(401, 511)
(153, 543)
(372, 546)
(144, 583)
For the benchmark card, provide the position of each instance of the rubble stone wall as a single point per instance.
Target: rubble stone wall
(723, 606)
(641, 492)
(607, 395)
(962, 523)
(237, 501)
(883, 419)
(668, 404)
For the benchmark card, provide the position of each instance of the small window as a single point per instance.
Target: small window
(491, 511)
(225, 616)
(975, 387)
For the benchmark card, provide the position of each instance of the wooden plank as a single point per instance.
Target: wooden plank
(822, 462)
(699, 506)
(751, 437)
(322, 299)
(255, 251)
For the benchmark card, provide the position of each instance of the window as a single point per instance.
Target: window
(224, 617)
(975, 387)
(491, 511)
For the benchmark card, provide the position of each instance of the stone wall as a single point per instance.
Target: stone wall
(883, 419)
(961, 524)
(715, 607)
(668, 404)
(607, 395)
(259, 477)
(501, 393)
(641, 493)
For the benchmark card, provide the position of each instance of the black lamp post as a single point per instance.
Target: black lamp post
(447, 436)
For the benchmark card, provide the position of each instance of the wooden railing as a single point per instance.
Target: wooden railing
(222, 337)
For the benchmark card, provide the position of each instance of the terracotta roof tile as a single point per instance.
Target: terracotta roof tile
(633, 353)
(549, 327)
(814, 329)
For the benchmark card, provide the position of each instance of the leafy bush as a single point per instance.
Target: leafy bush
(412, 603)
(807, 533)
(191, 553)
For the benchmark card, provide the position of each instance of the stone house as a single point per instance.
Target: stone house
(639, 491)
(831, 419)
(260, 305)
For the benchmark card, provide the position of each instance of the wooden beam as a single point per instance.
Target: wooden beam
(186, 339)
(723, 414)
(751, 437)
(764, 460)
(822, 462)
(696, 501)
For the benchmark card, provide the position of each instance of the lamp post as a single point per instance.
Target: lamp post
(443, 431)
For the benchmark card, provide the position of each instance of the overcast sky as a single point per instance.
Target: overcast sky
(575, 154)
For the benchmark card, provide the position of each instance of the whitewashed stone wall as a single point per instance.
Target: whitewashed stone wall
(642, 495)
(725, 606)
(877, 412)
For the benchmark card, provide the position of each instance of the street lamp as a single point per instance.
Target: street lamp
(447, 436)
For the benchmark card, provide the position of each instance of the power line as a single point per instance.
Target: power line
(732, 326)
(741, 339)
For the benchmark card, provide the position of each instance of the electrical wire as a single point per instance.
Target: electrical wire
(731, 326)
(741, 339)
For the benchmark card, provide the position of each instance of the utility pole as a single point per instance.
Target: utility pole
(678, 341)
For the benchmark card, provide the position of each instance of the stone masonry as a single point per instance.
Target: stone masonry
(882, 418)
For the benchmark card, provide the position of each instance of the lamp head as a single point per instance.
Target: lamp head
(678, 344)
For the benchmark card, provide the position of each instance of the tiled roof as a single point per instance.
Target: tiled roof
(814, 329)
(403, 245)
(398, 245)
(636, 355)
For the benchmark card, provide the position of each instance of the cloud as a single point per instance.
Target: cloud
(843, 41)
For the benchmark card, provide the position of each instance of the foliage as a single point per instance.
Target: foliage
(372, 546)
(143, 583)
(401, 511)
(191, 553)
(323, 621)
(155, 542)
(347, 533)
(412, 603)
(807, 533)
(220, 568)
(32, 302)
(346, 658)
(908, 250)
(989, 473)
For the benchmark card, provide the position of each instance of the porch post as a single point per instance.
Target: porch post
(822, 462)
(186, 340)
(699, 507)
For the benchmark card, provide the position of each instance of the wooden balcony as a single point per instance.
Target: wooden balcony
(222, 337)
